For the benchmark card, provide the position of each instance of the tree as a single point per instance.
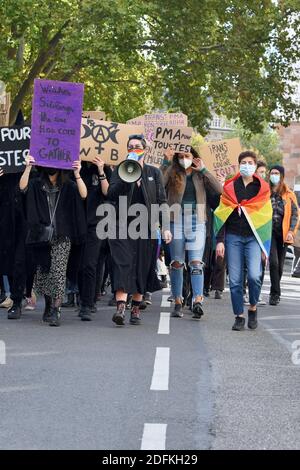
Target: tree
(265, 144)
(137, 55)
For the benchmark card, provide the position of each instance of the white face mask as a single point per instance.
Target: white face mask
(185, 162)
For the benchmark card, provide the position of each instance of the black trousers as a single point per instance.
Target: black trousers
(277, 256)
(88, 271)
(214, 273)
(18, 278)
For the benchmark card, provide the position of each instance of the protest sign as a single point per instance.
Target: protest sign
(14, 147)
(221, 157)
(105, 139)
(56, 121)
(99, 115)
(165, 137)
(4, 109)
(152, 121)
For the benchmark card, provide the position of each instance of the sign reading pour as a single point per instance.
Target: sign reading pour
(14, 147)
(56, 121)
(105, 139)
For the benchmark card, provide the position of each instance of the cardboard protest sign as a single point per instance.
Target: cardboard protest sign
(105, 139)
(221, 157)
(4, 109)
(56, 121)
(152, 121)
(165, 137)
(99, 115)
(14, 147)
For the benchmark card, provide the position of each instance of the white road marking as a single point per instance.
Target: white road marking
(154, 436)
(164, 301)
(160, 378)
(282, 317)
(164, 323)
(32, 354)
(20, 388)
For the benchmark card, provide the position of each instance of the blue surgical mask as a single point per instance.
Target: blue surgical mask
(247, 170)
(275, 179)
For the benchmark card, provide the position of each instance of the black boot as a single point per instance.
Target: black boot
(239, 324)
(252, 319)
(14, 313)
(85, 313)
(46, 314)
(274, 299)
(54, 316)
(70, 302)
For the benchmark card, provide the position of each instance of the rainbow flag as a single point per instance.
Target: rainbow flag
(258, 211)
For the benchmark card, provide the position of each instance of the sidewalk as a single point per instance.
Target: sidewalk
(256, 385)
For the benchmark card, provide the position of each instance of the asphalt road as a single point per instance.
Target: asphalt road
(167, 384)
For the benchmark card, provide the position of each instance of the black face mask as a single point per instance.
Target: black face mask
(50, 171)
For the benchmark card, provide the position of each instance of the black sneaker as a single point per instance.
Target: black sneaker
(119, 316)
(218, 294)
(54, 319)
(239, 324)
(206, 293)
(148, 298)
(47, 311)
(177, 312)
(274, 299)
(14, 313)
(85, 314)
(252, 319)
(197, 310)
(135, 316)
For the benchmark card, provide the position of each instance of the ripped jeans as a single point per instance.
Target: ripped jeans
(188, 236)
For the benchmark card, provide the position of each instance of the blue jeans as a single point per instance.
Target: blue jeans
(188, 237)
(240, 251)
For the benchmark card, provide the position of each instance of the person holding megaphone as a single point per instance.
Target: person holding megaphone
(134, 255)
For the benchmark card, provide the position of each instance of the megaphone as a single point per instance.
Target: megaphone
(130, 170)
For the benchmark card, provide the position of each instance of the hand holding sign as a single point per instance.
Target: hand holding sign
(99, 163)
(198, 164)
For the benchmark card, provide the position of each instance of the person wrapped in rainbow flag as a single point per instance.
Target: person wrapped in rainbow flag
(243, 228)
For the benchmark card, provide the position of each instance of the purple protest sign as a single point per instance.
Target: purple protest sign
(56, 122)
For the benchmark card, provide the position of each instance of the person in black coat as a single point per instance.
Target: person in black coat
(134, 260)
(53, 199)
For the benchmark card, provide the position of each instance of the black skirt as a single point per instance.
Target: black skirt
(134, 265)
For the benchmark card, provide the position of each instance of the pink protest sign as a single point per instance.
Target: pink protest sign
(56, 123)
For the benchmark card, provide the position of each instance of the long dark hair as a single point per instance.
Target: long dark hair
(177, 172)
(62, 177)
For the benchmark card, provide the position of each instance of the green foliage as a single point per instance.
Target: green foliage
(138, 55)
(265, 144)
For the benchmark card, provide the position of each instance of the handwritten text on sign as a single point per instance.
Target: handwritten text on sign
(14, 147)
(221, 157)
(175, 138)
(56, 121)
(152, 121)
(105, 139)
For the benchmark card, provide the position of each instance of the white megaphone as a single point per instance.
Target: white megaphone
(130, 170)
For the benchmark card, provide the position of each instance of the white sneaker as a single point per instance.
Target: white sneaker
(246, 300)
(30, 304)
(261, 302)
(7, 303)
